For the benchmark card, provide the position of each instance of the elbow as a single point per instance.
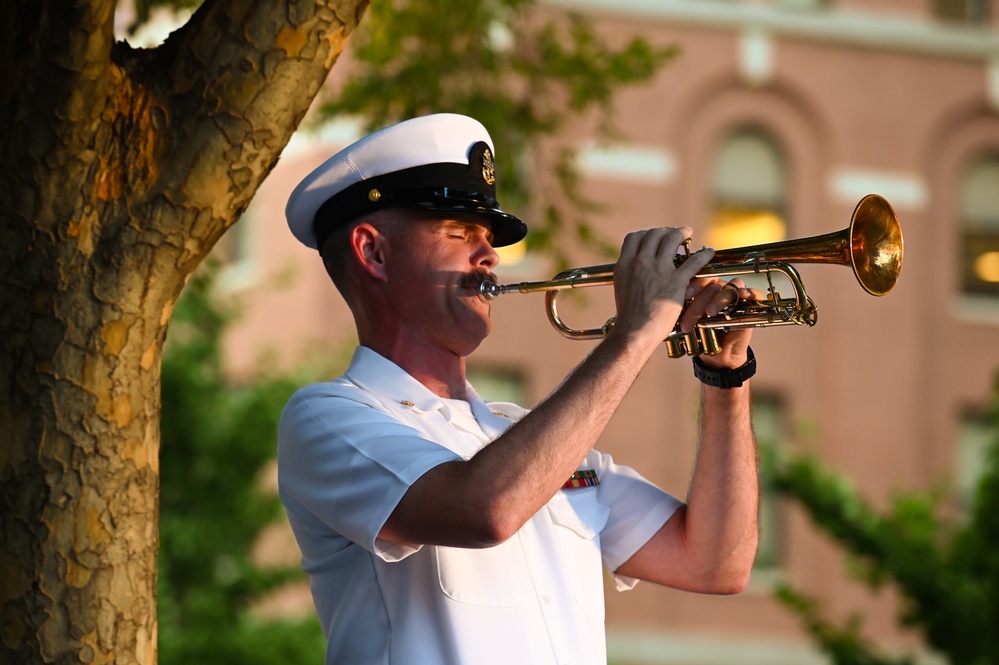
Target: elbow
(730, 576)
(732, 583)
(719, 582)
(491, 524)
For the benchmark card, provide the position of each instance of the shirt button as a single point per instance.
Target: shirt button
(545, 599)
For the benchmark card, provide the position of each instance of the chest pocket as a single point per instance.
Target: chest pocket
(578, 519)
(481, 576)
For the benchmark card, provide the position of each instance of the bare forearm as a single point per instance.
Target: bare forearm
(723, 501)
(709, 545)
(554, 439)
(490, 496)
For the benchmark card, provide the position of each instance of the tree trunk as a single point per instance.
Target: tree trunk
(119, 170)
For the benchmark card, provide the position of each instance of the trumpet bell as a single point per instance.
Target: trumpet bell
(871, 245)
(875, 245)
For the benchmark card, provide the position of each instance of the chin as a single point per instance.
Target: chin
(466, 344)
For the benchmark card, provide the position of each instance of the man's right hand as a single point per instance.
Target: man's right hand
(649, 290)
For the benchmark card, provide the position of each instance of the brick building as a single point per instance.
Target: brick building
(772, 123)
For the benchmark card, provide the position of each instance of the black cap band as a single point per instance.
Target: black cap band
(444, 187)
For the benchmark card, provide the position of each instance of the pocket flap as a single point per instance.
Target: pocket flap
(579, 511)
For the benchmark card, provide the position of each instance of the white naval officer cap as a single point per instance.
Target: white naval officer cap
(441, 162)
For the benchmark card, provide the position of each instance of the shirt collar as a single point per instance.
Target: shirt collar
(379, 375)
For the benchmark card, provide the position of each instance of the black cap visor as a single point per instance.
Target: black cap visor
(506, 228)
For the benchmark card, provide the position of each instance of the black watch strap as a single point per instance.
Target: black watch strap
(725, 377)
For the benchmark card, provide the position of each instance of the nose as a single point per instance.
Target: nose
(485, 255)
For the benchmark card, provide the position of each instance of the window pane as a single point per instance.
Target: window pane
(979, 245)
(961, 11)
(768, 423)
(748, 193)
(975, 439)
(749, 170)
(980, 193)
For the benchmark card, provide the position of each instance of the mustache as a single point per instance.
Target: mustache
(474, 280)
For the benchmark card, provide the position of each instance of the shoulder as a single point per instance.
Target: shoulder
(339, 392)
(325, 407)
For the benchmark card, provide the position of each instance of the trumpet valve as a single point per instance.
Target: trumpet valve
(692, 342)
(708, 341)
(674, 347)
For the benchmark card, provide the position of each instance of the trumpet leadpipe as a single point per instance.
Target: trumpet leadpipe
(573, 278)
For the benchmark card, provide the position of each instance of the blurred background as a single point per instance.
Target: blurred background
(769, 121)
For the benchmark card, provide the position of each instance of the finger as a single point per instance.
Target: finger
(670, 243)
(643, 245)
(630, 245)
(698, 284)
(692, 265)
(730, 293)
(663, 243)
(697, 307)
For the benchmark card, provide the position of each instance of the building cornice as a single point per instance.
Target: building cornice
(891, 32)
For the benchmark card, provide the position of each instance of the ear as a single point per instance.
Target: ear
(368, 245)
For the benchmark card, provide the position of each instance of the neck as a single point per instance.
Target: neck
(449, 383)
(440, 370)
(437, 361)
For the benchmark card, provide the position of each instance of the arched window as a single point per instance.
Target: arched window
(748, 192)
(979, 247)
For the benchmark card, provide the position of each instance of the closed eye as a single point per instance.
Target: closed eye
(462, 231)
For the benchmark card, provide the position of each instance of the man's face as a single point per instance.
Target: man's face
(435, 272)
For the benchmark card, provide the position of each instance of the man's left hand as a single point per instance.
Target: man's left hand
(709, 296)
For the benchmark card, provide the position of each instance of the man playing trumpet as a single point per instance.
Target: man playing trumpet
(439, 529)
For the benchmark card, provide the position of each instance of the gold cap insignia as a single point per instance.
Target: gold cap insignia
(488, 167)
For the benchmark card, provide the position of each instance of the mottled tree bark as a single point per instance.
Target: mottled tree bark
(119, 170)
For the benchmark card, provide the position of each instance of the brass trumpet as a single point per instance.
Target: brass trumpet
(871, 245)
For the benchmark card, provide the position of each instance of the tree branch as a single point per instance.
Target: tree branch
(236, 81)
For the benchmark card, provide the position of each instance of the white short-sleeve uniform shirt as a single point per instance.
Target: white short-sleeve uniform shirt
(347, 452)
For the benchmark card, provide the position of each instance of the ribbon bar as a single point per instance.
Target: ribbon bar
(582, 478)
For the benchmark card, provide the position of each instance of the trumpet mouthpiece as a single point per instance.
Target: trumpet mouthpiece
(489, 289)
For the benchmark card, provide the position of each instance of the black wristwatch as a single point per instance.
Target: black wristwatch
(725, 377)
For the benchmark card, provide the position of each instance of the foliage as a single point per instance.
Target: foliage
(216, 439)
(946, 569)
(844, 644)
(525, 75)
